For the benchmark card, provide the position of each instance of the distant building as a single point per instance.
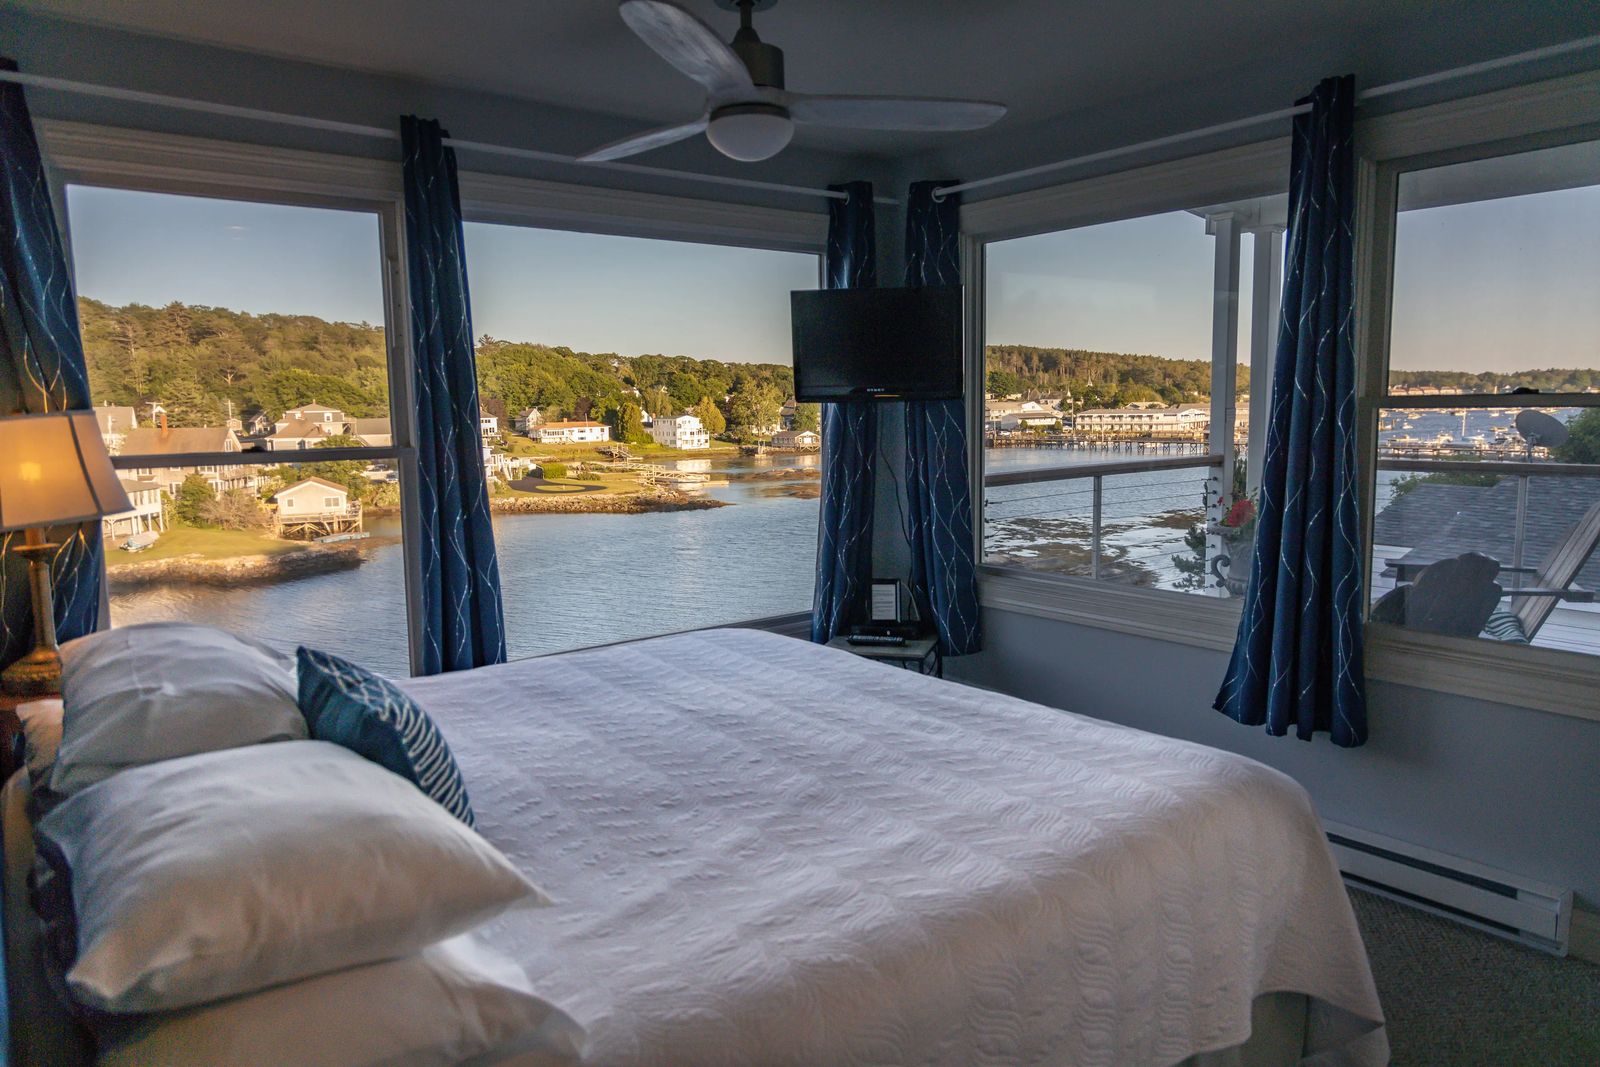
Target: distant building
(115, 421)
(374, 433)
(258, 425)
(786, 414)
(316, 506)
(184, 440)
(487, 423)
(527, 421)
(995, 412)
(573, 432)
(684, 431)
(305, 427)
(799, 440)
(1189, 419)
(145, 516)
(1029, 420)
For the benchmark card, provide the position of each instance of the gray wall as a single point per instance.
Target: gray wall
(1512, 788)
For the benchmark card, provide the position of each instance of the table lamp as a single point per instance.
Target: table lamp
(54, 470)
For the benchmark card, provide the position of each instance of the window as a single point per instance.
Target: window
(1487, 499)
(1116, 444)
(637, 387)
(206, 323)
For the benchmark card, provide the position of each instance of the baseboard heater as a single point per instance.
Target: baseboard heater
(1493, 901)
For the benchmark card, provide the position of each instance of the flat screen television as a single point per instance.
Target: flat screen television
(889, 344)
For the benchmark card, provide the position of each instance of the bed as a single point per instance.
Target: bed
(764, 851)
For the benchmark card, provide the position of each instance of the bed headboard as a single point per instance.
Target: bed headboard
(27, 1004)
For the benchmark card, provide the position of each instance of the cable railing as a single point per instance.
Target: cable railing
(1131, 504)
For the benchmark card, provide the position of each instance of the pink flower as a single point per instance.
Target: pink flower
(1241, 512)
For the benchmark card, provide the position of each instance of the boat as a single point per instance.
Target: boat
(140, 541)
(340, 538)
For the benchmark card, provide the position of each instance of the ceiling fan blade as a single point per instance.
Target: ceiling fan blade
(893, 112)
(688, 44)
(643, 142)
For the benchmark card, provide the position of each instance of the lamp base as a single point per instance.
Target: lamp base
(38, 674)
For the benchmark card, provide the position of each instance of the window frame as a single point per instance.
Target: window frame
(1558, 110)
(78, 153)
(1215, 178)
(1545, 115)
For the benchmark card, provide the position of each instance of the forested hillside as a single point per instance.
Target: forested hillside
(196, 360)
(1106, 379)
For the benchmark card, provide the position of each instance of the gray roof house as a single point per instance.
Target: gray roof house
(1437, 519)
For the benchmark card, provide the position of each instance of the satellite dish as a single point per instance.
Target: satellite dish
(1541, 430)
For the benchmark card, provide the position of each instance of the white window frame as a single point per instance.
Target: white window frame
(1224, 177)
(116, 157)
(1560, 111)
(1563, 109)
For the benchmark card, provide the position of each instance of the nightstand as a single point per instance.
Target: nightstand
(920, 654)
(11, 729)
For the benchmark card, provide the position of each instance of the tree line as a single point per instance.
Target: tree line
(1099, 379)
(203, 364)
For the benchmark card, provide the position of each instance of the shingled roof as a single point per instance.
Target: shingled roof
(1437, 519)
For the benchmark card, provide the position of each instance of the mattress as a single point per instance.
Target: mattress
(764, 851)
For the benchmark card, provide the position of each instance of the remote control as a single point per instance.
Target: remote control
(875, 639)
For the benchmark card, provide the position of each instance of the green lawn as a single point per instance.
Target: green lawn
(212, 544)
(522, 446)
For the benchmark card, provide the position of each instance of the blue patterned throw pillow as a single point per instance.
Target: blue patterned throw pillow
(369, 715)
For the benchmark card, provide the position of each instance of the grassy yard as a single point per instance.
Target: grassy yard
(212, 544)
(522, 446)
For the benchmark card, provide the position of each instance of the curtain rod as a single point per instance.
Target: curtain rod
(1275, 116)
(282, 118)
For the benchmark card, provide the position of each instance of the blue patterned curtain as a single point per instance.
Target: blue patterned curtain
(944, 577)
(1297, 660)
(41, 369)
(849, 436)
(463, 624)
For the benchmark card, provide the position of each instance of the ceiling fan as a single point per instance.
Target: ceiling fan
(749, 116)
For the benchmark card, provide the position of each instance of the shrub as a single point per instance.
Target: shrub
(586, 476)
(553, 471)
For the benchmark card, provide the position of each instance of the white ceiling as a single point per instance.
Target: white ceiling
(1041, 57)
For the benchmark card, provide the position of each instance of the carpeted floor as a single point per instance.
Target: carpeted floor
(1455, 997)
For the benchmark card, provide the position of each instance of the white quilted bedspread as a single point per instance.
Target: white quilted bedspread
(764, 852)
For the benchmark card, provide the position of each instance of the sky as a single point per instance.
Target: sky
(590, 292)
(1500, 284)
(1138, 285)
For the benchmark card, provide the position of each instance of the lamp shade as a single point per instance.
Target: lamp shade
(54, 469)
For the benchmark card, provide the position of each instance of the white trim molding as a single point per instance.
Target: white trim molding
(554, 205)
(81, 153)
(166, 162)
(1253, 170)
(1179, 618)
(1523, 676)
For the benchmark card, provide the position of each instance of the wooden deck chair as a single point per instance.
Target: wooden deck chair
(1531, 609)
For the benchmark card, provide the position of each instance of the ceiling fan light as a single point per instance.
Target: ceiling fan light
(750, 132)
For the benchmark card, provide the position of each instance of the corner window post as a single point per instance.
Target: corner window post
(1266, 298)
(1224, 226)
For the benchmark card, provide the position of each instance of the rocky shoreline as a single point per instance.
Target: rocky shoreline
(602, 503)
(235, 570)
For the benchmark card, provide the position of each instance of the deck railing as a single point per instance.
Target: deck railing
(1157, 494)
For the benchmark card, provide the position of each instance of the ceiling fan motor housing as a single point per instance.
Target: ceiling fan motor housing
(764, 61)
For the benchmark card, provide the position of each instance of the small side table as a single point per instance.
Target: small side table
(11, 730)
(920, 654)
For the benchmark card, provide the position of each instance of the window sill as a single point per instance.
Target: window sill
(1182, 618)
(1546, 679)
(1550, 680)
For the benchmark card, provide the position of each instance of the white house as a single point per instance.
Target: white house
(145, 516)
(305, 427)
(684, 431)
(799, 440)
(115, 421)
(573, 432)
(527, 421)
(313, 498)
(487, 423)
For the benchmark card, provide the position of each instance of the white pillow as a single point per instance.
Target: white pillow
(137, 694)
(219, 874)
(41, 737)
(454, 1002)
